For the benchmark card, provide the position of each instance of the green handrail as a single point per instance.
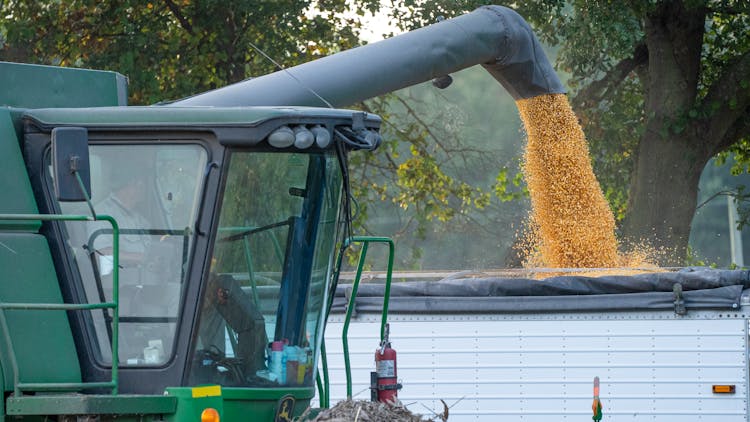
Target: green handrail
(325, 400)
(321, 392)
(365, 240)
(250, 270)
(249, 256)
(114, 305)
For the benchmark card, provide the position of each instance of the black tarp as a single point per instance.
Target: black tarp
(702, 288)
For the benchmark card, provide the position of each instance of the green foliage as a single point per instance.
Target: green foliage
(694, 261)
(742, 200)
(504, 192)
(174, 48)
(741, 153)
(613, 131)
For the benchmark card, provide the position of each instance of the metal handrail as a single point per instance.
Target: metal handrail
(365, 240)
(323, 386)
(114, 305)
(245, 233)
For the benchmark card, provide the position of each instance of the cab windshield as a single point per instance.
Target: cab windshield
(272, 260)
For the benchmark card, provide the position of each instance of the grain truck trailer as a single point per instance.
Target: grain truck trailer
(667, 346)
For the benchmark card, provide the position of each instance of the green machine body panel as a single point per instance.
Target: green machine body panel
(235, 404)
(18, 197)
(36, 86)
(266, 403)
(192, 401)
(42, 340)
(119, 406)
(178, 404)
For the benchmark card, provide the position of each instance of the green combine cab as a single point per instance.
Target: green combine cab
(196, 278)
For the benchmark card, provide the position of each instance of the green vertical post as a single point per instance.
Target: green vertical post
(387, 292)
(324, 389)
(347, 319)
(365, 240)
(250, 270)
(11, 353)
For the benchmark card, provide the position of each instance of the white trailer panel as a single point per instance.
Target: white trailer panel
(540, 367)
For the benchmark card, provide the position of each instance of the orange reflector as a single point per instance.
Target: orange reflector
(723, 389)
(209, 415)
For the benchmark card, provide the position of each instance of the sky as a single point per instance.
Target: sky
(375, 26)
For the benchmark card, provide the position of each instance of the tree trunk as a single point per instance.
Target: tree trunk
(671, 155)
(663, 197)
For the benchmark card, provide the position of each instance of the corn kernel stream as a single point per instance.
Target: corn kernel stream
(574, 225)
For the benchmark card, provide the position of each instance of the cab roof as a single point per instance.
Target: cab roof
(172, 116)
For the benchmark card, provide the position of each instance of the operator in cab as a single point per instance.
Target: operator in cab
(148, 276)
(125, 203)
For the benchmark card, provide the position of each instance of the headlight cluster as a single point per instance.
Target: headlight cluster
(300, 136)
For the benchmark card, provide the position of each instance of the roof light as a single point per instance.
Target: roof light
(282, 137)
(322, 136)
(303, 138)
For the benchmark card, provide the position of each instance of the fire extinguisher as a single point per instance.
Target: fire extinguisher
(384, 384)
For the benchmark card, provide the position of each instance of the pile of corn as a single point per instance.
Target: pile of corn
(572, 223)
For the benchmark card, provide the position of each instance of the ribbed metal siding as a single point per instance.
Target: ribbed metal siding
(521, 369)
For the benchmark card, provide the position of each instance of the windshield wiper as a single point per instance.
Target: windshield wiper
(250, 232)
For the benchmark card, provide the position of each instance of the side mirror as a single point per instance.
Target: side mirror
(70, 155)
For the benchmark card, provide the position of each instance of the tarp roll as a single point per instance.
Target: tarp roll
(702, 289)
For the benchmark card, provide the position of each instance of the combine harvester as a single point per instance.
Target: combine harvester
(178, 263)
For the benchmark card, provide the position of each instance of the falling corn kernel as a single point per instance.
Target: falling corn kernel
(572, 222)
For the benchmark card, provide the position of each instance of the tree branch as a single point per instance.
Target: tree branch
(725, 103)
(427, 128)
(739, 129)
(598, 90)
(184, 23)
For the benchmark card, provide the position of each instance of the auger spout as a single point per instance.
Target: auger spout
(494, 36)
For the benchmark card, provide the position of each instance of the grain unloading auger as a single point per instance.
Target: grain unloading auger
(191, 280)
(494, 36)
